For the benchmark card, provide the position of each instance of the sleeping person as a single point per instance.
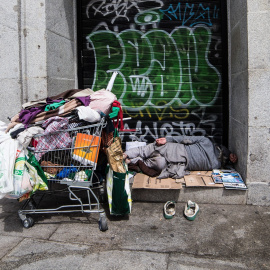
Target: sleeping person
(174, 156)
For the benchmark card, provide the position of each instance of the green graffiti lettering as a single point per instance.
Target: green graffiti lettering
(205, 78)
(186, 47)
(165, 73)
(156, 69)
(138, 90)
(109, 55)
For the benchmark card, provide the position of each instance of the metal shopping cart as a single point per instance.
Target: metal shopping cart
(72, 166)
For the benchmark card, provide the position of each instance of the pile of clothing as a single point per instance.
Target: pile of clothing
(21, 171)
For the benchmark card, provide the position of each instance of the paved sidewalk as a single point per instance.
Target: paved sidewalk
(221, 237)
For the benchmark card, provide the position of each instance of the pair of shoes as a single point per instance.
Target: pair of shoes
(169, 209)
(191, 210)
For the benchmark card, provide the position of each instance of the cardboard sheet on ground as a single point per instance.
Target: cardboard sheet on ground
(201, 173)
(146, 182)
(201, 179)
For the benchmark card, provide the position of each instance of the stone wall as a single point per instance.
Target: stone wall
(60, 24)
(37, 53)
(249, 99)
(10, 59)
(238, 97)
(258, 156)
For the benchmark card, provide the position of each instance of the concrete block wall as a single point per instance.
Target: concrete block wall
(258, 158)
(10, 59)
(61, 57)
(33, 49)
(249, 136)
(37, 51)
(200, 195)
(238, 94)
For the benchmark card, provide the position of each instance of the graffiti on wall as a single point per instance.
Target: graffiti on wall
(167, 55)
(191, 14)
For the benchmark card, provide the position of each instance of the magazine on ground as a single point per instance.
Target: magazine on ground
(231, 179)
(240, 186)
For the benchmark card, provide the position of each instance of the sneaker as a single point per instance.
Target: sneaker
(169, 209)
(191, 210)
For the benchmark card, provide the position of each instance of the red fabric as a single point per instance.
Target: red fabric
(119, 116)
(34, 142)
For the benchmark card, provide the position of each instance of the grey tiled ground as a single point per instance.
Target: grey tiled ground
(221, 237)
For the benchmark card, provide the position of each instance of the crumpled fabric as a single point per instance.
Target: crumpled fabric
(84, 100)
(66, 171)
(102, 100)
(50, 140)
(119, 115)
(200, 150)
(15, 133)
(54, 105)
(69, 94)
(26, 136)
(51, 168)
(13, 129)
(26, 116)
(171, 158)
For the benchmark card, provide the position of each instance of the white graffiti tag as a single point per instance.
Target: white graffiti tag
(119, 8)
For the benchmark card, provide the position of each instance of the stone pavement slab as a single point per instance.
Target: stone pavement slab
(102, 260)
(7, 243)
(221, 237)
(183, 262)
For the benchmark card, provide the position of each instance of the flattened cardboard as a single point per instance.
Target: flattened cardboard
(195, 180)
(180, 180)
(146, 182)
(210, 183)
(201, 173)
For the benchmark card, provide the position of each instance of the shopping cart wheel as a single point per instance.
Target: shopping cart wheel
(102, 223)
(28, 222)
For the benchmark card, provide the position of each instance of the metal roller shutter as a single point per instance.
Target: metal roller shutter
(172, 62)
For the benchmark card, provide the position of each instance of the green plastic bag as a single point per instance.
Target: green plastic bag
(119, 193)
(33, 161)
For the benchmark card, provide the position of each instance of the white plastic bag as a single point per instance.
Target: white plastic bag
(88, 114)
(21, 178)
(3, 136)
(3, 126)
(8, 150)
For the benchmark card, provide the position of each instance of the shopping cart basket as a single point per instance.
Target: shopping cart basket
(71, 166)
